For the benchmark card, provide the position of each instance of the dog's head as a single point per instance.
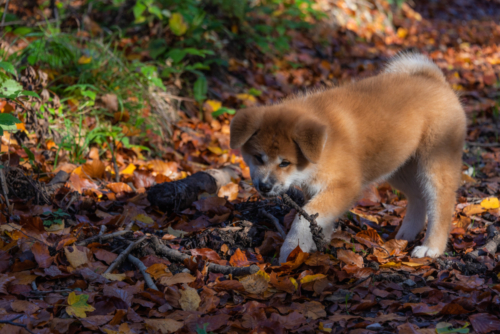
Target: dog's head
(280, 144)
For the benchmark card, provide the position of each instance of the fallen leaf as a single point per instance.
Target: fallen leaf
(110, 101)
(164, 326)
(114, 277)
(490, 203)
(349, 257)
(75, 256)
(179, 278)
(78, 305)
(190, 300)
(256, 283)
(239, 259)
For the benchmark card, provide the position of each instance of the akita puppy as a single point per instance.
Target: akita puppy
(405, 125)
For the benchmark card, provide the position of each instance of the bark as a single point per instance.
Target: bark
(179, 195)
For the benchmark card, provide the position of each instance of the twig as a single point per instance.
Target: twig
(175, 255)
(38, 292)
(102, 237)
(471, 143)
(4, 188)
(316, 230)
(275, 221)
(142, 268)
(5, 11)
(117, 174)
(490, 247)
(39, 23)
(11, 322)
(123, 255)
(103, 230)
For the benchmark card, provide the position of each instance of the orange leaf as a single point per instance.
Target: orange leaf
(239, 259)
(372, 236)
(120, 187)
(349, 257)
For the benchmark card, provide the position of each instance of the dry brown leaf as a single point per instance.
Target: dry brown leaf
(473, 209)
(256, 283)
(93, 169)
(349, 257)
(394, 244)
(75, 256)
(177, 278)
(23, 306)
(159, 270)
(164, 326)
(110, 101)
(190, 300)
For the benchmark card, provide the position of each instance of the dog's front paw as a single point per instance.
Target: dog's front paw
(424, 251)
(306, 244)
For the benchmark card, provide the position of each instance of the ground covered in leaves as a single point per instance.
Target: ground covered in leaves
(82, 249)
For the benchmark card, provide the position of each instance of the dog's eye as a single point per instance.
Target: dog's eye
(284, 163)
(258, 157)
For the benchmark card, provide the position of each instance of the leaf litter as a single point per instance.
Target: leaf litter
(54, 279)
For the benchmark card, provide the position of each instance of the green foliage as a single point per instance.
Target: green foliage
(51, 218)
(203, 330)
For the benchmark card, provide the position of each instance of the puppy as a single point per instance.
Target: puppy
(405, 125)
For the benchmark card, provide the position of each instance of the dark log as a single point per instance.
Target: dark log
(179, 195)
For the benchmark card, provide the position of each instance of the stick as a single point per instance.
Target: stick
(10, 322)
(103, 230)
(471, 143)
(5, 12)
(102, 237)
(175, 255)
(123, 255)
(38, 292)
(275, 221)
(4, 188)
(117, 174)
(490, 247)
(316, 230)
(142, 268)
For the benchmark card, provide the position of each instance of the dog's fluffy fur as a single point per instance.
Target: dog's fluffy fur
(405, 125)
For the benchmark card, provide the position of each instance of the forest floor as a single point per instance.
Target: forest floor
(67, 236)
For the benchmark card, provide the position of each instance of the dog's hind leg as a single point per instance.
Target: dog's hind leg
(441, 173)
(407, 180)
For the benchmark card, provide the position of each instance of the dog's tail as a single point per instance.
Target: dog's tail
(415, 64)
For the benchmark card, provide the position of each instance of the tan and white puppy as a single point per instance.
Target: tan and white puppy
(405, 125)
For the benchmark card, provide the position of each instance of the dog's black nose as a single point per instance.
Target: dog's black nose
(265, 187)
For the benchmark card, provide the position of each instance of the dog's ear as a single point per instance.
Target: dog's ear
(246, 122)
(310, 135)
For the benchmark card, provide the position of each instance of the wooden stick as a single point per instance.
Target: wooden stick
(123, 255)
(142, 268)
(471, 143)
(175, 255)
(102, 237)
(316, 230)
(11, 322)
(275, 221)
(4, 188)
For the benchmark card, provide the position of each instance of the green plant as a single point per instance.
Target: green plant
(10, 89)
(51, 218)
(203, 330)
